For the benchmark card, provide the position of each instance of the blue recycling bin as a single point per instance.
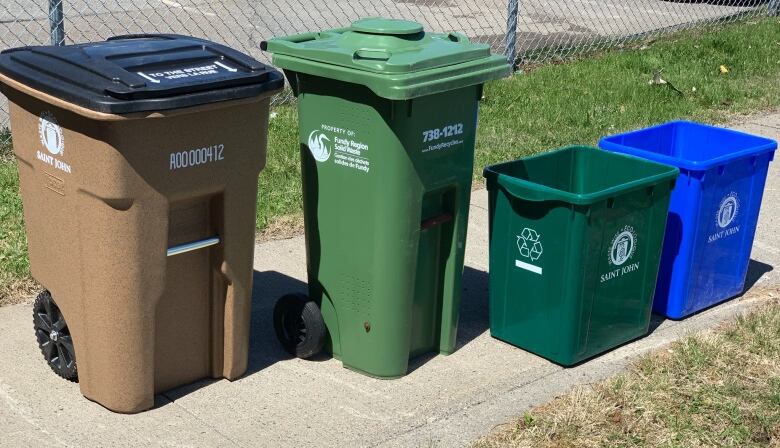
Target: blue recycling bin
(713, 212)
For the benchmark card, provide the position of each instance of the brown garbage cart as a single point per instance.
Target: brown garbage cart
(138, 162)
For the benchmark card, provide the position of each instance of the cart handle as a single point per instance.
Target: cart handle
(436, 221)
(194, 245)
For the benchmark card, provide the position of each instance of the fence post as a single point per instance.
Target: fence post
(510, 39)
(57, 22)
(774, 8)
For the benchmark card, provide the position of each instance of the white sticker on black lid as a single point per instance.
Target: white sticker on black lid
(173, 75)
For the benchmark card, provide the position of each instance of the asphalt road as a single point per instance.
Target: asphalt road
(243, 24)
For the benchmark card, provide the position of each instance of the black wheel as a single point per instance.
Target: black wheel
(299, 325)
(54, 337)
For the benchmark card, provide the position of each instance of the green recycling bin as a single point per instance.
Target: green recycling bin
(388, 117)
(575, 245)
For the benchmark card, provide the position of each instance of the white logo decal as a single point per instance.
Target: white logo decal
(530, 245)
(50, 133)
(727, 212)
(621, 250)
(725, 218)
(623, 246)
(318, 146)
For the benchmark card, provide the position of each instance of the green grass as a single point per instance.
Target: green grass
(717, 388)
(280, 181)
(579, 102)
(546, 107)
(14, 268)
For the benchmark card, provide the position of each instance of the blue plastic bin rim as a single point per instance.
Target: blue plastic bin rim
(532, 191)
(767, 145)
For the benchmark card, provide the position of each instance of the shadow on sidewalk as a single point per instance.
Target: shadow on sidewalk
(473, 319)
(265, 350)
(756, 270)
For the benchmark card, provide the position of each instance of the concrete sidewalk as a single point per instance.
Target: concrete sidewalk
(444, 401)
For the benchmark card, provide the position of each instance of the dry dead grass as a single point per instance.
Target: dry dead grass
(282, 228)
(719, 388)
(18, 291)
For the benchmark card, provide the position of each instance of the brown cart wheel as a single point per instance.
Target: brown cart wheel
(54, 338)
(299, 325)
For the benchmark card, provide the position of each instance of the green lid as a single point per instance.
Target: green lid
(395, 58)
(379, 25)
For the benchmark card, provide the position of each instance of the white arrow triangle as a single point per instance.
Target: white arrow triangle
(156, 81)
(230, 69)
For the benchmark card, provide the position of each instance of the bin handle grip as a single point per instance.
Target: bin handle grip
(291, 41)
(458, 37)
(520, 189)
(294, 39)
(193, 245)
(437, 220)
(371, 55)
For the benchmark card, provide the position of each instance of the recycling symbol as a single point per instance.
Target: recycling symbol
(529, 243)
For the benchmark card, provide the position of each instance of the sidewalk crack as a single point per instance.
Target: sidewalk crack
(206, 424)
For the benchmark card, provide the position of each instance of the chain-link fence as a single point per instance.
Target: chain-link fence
(527, 31)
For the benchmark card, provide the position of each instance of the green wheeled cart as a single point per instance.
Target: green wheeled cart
(575, 244)
(388, 117)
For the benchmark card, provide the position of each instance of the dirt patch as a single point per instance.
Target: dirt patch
(282, 228)
(19, 291)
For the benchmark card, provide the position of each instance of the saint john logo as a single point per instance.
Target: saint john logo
(51, 138)
(725, 216)
(623, 246)
(727, 212)
(50, 133)
(318, 146)
(621, 249)
(530, 245)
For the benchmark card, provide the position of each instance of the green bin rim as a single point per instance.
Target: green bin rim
(532, 191)
(395, 66)
(403, 86)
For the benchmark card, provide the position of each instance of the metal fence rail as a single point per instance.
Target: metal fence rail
(527, 31)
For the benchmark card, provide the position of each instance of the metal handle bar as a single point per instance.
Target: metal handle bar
(194, 245)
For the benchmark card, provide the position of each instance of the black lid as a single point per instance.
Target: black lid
(140, 73)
